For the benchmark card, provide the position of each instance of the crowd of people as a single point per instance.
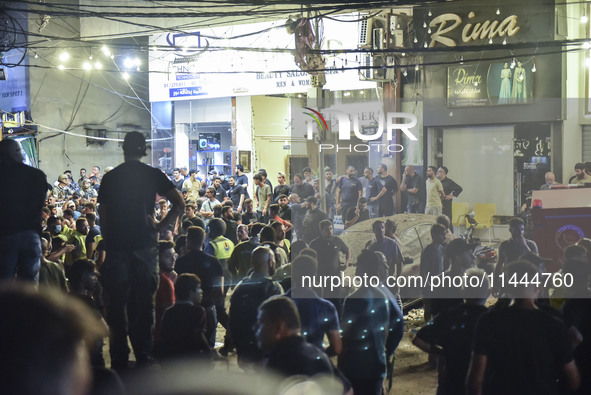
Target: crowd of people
(160, 262)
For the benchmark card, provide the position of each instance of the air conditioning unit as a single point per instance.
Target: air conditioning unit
(376, 67)
(400, 28)
(367, 27)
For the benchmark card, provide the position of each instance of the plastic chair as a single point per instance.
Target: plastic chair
(483, 214)
(458, 210)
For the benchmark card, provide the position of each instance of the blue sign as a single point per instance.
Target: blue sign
(184, 92)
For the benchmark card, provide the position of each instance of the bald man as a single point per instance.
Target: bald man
(247, 297)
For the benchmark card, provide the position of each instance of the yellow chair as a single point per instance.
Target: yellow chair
(458, 210)
(483, 214)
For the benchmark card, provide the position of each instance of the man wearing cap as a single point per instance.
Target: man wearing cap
(73, 185)
(185, 195)
(129, 232)
(211, 175)
(20, 241)
(282, 188)
(61, 191)
(224, 182)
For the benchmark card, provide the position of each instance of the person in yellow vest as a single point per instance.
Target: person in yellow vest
(78, 239)
(221, 248)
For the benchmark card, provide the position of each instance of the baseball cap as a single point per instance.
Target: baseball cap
(185, 190)
(282, 174)
(212, 172)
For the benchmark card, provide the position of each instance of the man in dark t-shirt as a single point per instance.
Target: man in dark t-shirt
(513, 248)
(413, 184)
(246, 298)
(209, 270)
(521, 349)
(328, 247)
(130, 231)
(451, 333)
(349, 190)
(183, 327)
(387, 206)
(21, 200)
(237, 194)
(287, 353)
(301, 188)
(282, 188)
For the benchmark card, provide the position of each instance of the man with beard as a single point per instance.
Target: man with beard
(434, 193)
(387, 206)
(237, 194)
(349, 190)
(331, 191)
(220, 192)
(451, 190)
(301, 188)
(373, 192)
(581, 177)
(413, 184)
(313, 217)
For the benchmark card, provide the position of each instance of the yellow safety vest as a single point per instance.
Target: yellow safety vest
(222, 247)
(80, 251)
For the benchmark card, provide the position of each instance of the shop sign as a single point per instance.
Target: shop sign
(207, 63)
(13, 88)
(490, 83)
(483, 23)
